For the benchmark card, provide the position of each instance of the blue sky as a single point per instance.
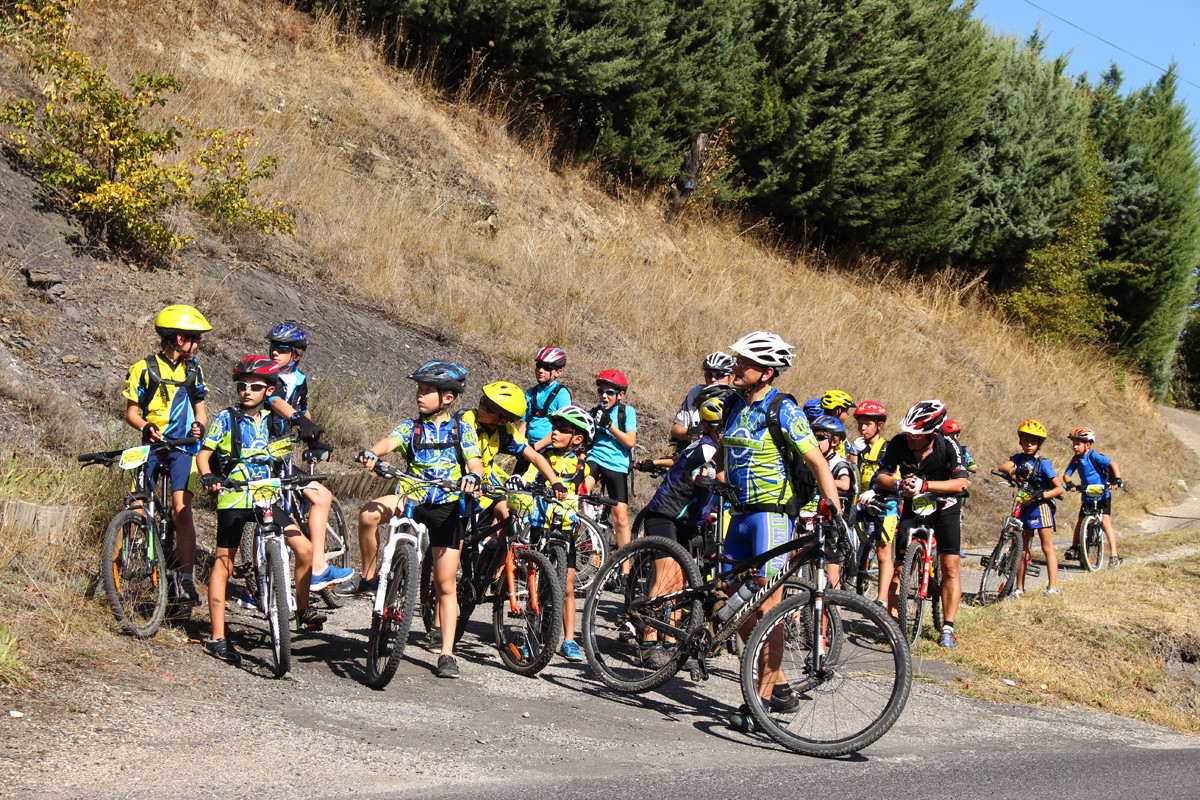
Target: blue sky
(1157, 31)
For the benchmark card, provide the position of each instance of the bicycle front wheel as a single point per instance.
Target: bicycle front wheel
(591, 551)
(866, 580)
(1000, 572)
(912, 602)
(133, 568)
(389, 630)
(277, 611)
(1092, 545)
(337, 550)
(843, 701)
(620, 610)
(527, 614)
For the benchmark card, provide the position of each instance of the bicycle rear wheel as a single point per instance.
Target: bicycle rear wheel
(338, 547)
(133, 568)
(591, 551)
(527, 616)
(277, 611)
(857, 694)
(1000, 572)
(616, 616)
(1092, 545)
(389, 630)
(866, 580)
(912, 603)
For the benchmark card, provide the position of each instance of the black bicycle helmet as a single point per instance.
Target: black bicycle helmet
(445, 375)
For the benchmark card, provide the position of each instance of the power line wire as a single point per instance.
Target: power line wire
(1113, 45)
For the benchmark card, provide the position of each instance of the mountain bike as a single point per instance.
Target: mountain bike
(138, 562)
(1093, 544)
(921, 575)
(594, 540)
(852, 676)
(1000, 568)
(555, 543)
(871, 508)
(269, 559)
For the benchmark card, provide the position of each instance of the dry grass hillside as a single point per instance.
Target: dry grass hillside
(441, 217)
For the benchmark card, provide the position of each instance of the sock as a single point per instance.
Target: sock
(187, 575)
(948, 627)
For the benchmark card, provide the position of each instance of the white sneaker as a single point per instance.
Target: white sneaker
(1018, 593)
(1051, 592)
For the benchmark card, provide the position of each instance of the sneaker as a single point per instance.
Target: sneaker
(948, 638)
(433, 639)
(1115, 561)
(330, 576)
(1072, 554)
(783, 699)
(187, 586)
(447, 667)
(247, 601)
(355, 585)
(309, 619)
(222, 649)
(1051, 593)
(1018, 593)
(571, 652)
(657, 657)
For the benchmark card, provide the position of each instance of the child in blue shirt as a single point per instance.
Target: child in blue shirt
(544, 397)
(1037, 513)
(616, 434)
(1094, 469)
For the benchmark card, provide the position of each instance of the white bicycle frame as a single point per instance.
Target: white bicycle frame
(401, 528)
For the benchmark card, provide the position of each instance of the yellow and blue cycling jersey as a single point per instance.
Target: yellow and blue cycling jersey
(170, 405)
(753, 464)
(429, 449)
(505, 439)
(571, 467)
(255, 460)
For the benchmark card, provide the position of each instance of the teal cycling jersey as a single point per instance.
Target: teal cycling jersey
(753, 464)
(429, 449)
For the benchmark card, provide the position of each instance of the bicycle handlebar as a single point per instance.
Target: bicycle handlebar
(110, 456)
(289, 481)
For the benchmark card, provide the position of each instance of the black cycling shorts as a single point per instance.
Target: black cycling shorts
(443, 521)
(615, 484)
(678, 532)
(946, 524)
(1104, 505)
(232, 521)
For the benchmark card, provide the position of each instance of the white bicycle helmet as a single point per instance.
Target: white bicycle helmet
(719, 363)
(924, 418)
(765, 348)
(577, 418)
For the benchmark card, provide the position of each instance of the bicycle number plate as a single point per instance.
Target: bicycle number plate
(264, 491)
(1095, 490)
(134, 457)
(280, 448)
(924, 506)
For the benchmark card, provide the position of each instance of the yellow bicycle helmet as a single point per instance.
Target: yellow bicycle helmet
(180, 319)
(835, 399)
(1034, 428)
(508, 398)
(712, 410)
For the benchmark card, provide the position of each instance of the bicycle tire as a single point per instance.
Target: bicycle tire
(1000, 575)
(912, 606)
(133, 569)
(868, 564)
(528, 638)
(556, 554)
(935, 594)
(611, 638)
(591, 551)
(337, 541)
(855, 700)
(277, 612)
(1092, 542)
(389, 630)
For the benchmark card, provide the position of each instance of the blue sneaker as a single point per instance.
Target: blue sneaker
(948, 638)
(571, 652)
(330, 576)
(247, 600)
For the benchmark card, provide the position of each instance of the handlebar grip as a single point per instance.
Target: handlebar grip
(1003, 475)
(184, 442)
(598, 500)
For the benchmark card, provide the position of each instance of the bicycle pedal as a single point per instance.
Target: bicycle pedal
(985, 560)
(1033, 570)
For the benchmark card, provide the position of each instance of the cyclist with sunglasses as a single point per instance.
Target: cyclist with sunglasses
(286, 343)
(718, 371)
(609, 458)
(545, 396)
(165, 395)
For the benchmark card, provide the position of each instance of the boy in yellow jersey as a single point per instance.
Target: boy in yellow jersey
(867, 452)
(165, 394)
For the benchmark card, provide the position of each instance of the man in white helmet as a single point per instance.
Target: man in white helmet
(757, 468)
(718, 371)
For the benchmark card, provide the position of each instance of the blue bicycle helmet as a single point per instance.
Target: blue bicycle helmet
(830, 425)
(813, 410)
(289, 333)
(443, 375)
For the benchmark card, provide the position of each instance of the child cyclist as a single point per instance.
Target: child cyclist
(544, 396)
(286, 344)
(1037, 514)
(436, 445)
(867, 452)
(165, 394)
(571, 430)
(1094, 469)
(240, 438)
(838, 404)
(616, 434)
(676, 512)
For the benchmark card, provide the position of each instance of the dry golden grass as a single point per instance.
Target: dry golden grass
(1124, 640)
(442, 218)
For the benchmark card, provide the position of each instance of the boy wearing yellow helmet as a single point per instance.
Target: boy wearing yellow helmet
(165, 394)
(1042, 485)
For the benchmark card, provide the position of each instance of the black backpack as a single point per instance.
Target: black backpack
(455, 439)
(804, 485)
(550, 398)
(155, 382)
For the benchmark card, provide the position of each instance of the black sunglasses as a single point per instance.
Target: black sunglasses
(545, 366)
(281, 348)
(562, 427)
(821, 437)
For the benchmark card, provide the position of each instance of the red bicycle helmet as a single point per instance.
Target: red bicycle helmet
(613, 378)
(551, 356)
(951, 428)
(260, 366)
(869, 408)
